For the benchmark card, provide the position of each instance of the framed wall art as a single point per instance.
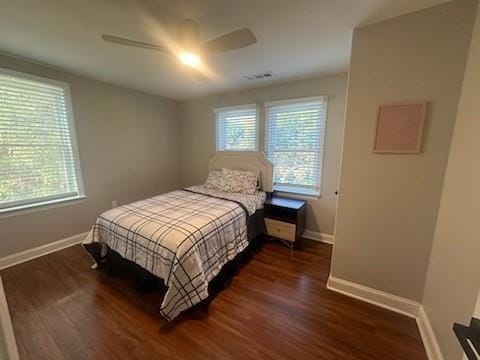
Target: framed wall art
(399, 128)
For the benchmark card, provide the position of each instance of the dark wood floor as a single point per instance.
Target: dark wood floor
(277, 307)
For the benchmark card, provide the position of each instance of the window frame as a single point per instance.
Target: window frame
(252, 106)
(307, 191)
(39, 203)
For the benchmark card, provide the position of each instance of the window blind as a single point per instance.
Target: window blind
(37, 156)
(236, 128)
(295, 136)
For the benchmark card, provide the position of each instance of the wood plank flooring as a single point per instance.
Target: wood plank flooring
(277, 307)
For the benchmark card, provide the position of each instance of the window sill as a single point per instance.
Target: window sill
(44, 205)
(296, 193)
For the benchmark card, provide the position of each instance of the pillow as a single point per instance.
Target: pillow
(240, 181)
(214, 180)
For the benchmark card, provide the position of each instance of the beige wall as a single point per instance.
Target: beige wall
(8, 346)
(453, 279)
(3, 347)
(128, 145)
(198, 136)
(388, 203)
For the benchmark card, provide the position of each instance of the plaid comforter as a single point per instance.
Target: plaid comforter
(182, 237)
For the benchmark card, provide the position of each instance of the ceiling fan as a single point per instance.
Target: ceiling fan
(189, 48)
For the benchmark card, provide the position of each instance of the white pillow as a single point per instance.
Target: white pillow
(240, 181)
(214, 180)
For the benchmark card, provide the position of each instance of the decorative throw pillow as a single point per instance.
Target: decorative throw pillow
(240, 181)
(214, 180)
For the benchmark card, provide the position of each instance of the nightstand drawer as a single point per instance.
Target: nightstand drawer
(280, 229)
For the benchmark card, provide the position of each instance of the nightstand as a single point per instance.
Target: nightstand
(285, 219)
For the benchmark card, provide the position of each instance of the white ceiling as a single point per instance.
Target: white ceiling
(296, 38)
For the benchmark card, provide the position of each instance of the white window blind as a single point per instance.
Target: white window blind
(38, 159)
(295, 136)
(236, 128)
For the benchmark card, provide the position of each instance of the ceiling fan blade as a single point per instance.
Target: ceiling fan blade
(135, 43)
(233, 40)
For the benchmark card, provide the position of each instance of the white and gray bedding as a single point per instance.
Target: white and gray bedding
(184, 237)
(251, 202)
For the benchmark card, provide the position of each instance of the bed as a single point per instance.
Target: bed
(186, 237)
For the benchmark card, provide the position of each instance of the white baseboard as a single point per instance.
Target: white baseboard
(314, 235)
(428, 336)
(373, 296)
(30, 254)
(394, 303)
(6, 329)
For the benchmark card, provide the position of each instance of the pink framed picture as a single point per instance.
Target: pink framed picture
(400, 128)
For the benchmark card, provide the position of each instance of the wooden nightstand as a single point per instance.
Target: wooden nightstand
(285, 219)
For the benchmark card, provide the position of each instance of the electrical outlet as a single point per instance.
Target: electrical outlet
(114, 204)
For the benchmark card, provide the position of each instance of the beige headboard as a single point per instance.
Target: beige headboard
(245, 160)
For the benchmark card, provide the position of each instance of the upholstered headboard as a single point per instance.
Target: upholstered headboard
(245, 160)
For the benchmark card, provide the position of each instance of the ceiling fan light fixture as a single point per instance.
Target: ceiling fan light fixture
(188, 48)
(190, 59)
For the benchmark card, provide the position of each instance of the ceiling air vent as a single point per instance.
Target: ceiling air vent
(260, 76)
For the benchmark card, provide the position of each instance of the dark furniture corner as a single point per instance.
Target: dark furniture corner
(469, 337)
(285, 219)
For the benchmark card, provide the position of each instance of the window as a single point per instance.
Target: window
(38, 158)
(237, 128)
(295, 134)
